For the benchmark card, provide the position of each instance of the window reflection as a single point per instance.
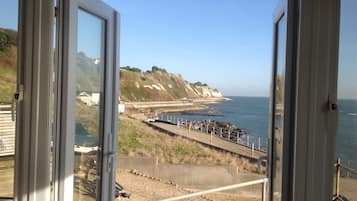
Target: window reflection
(279, 107)
(89, 106)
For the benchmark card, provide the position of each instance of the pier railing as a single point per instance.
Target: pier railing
(343, 170)
(238, 136)
(349, 169)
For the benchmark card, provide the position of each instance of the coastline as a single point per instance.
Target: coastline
(172, 106)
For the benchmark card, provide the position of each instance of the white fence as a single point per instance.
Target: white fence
(7, 131)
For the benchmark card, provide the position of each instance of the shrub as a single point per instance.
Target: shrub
(155, 68)
(200, 84)
(3, 41)
(7, 37)
(133, 69)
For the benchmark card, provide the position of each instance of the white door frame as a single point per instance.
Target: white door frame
(289, 10)
(316, 88)
(67, 60)
(35, 54)
(312, 57)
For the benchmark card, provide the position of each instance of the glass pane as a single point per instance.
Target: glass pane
(53, 103)
(198, 92)
(89, 105)
(279, 107)
(8, 79)
(346, 139)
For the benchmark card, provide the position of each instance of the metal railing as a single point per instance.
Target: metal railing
(348, 171)
(256, 143)
(264, 183)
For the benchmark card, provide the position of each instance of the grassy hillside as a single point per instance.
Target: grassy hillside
(135, 85)
(159, 85)
(88, 74)
(8, 65)
(137, 139)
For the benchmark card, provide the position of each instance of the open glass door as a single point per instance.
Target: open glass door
(90, 93)
(281, 108)
(89, 108)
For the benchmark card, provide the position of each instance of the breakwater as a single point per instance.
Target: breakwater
(223, 130)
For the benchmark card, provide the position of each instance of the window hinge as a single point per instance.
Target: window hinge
(110, 160)
(111, 152)
(56, 11)
(17, 97)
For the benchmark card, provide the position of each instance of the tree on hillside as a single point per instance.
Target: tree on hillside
(3, 41)
(11, 37)
(156, 68)
(200, 84)
(8, 37)
(133, 69)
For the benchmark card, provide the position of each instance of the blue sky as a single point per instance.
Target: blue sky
(89, 30)
(347, 84)
(8, 16)
(225, 43)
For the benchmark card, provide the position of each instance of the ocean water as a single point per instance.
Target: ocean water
(249, 113)
(346, 139)
(252, 114)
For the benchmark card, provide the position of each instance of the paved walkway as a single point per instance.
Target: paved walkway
(150, 189)
(209, 140)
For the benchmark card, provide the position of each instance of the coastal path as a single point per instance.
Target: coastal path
(209, 140)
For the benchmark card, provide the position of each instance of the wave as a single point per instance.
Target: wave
(352, 114)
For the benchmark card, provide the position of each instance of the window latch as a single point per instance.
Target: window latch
(332, 106)
(17, 97)
(333, 109)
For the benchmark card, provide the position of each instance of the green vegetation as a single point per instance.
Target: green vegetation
(8, 65)
(7, 84)
(155, 68)
(133, 69)
(88, 73)
(135, 85)
(8, 38)
(88, 116)
(200, 84)
(138, 139)
(157, 85)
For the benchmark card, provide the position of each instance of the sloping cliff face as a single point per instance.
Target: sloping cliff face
(159, 85)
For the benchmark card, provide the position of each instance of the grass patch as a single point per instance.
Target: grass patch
(138, 139)
(7, 84)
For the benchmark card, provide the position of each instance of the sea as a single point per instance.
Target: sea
(252, 114)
